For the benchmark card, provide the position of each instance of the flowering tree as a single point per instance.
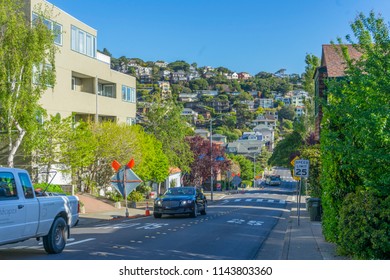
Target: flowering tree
(205, 160)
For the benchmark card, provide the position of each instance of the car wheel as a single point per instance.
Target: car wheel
(55, 241)
(157, 215)
(203, 212)
(194, 213)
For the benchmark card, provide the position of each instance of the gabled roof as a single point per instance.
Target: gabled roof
(333, 60)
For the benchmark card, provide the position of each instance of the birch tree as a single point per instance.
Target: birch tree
(27, 68)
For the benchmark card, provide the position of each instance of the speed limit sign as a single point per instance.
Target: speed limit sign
(301, 168)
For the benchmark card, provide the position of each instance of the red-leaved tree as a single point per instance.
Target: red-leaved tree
(205, 160)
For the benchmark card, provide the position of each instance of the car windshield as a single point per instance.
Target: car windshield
(180, 191)
(275, 178)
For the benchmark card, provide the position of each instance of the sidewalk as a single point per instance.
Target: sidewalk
(301, 242)
(287, 240)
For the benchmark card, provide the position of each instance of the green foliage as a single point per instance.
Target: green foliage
(286, 149)
(312, 62)
(50, 188)
(92, 147)
(167, 125)
(365, 226)
(114, 196)
(246, 166)
(263, 158)
(179, 65)
(199, 84)
(45, 144)
(25, 52)
(355, 137)
(287, 113)
(135, 196)
(313, 154)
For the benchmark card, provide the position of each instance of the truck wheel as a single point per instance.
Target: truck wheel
(157, 215)
(55, 241)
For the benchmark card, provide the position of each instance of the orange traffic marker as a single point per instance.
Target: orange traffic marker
(147, 211)
(116, 165)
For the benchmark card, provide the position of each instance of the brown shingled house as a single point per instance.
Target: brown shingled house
(333, 65)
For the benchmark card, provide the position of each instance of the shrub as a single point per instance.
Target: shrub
(364, 226)
(115, 196)
(50, 188)
(135, 196)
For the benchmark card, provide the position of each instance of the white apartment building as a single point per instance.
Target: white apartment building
(86, 87)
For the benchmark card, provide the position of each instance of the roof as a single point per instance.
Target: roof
(333, 60)
(174, 170)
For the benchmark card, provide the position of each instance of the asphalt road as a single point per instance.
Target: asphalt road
(233, 229)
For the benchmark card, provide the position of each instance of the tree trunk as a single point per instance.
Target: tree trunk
(14, 147)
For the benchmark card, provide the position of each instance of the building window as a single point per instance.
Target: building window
(83, 42)
(74, 83)
(130, 121)
(53, 26)
(128, 94)
(39, 77)
(107, 90)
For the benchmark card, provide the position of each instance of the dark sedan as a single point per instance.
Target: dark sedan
(180, 200)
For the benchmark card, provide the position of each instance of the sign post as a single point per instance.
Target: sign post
(301, 170)
(125, 180)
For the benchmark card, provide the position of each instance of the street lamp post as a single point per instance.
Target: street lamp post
(254, 168)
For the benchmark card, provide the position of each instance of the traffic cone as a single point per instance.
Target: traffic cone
(147, 211)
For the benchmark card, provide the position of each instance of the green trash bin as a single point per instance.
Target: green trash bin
(314, 207)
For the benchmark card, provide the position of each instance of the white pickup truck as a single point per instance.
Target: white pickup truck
(25, 215)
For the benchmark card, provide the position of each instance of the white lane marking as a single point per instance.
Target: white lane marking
(236, 221)
(249, 199)
(271, 200)
(151, 226)
(260, 200)
(117, 226)
(237, 200)
(282, 201)
(81, 241)
(255, 223)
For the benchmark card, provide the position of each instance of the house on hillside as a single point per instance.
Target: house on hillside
(188, 97)
(251, 135)
(268, 135)
(245, 147)
(266, 120)
(190, 114)
(219, 138)
(266, 102)
(244, 76)
(332, 67)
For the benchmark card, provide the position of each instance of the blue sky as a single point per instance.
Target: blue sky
(241, 35)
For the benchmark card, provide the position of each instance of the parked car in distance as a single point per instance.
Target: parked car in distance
(273, 180)
(180, 200)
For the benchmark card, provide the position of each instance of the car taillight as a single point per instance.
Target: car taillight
(78, 207)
